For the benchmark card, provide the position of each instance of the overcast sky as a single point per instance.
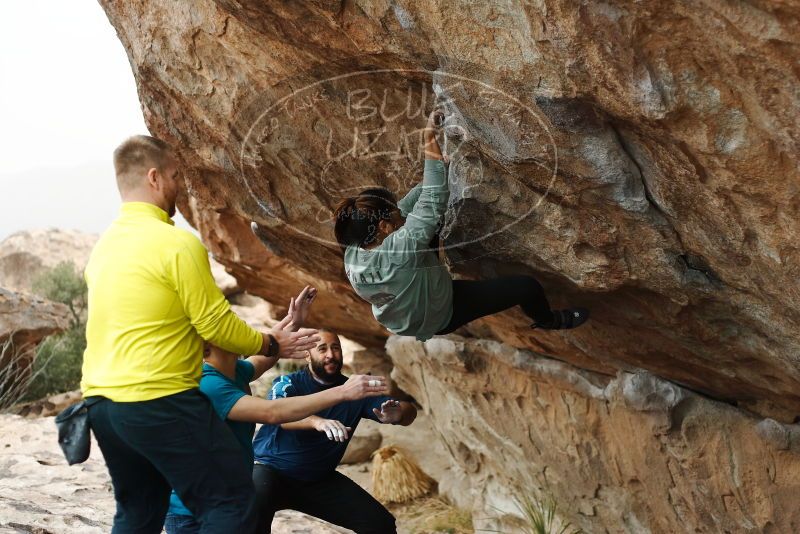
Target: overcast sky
(67, 99)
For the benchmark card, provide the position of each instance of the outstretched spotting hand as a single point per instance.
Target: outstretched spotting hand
(390, 412)
(299, 307)
(335, 430)
(363, 386)
(294, 345)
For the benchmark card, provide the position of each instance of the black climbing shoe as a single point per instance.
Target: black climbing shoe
(565, 319)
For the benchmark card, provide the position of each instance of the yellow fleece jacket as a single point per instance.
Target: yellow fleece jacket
(152, 300)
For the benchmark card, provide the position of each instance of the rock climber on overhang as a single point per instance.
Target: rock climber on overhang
(390, 264)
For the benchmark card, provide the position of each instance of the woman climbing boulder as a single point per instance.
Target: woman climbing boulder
(390, 264)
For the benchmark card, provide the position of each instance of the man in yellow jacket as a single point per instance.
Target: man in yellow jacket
(152, 302)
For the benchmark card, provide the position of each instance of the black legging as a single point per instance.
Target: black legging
(335, 498)
(473, 299)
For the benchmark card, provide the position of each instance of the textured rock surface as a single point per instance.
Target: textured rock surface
(630, 454)
(227, 283)
(656, 144)
(361, 447)
(49, 406)
(638, 157)
(24, 255)
(38, 490)
(24, 321)
(373, 362)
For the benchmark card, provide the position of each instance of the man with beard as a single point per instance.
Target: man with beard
(296, 462)
(225, 382)
(152, 301)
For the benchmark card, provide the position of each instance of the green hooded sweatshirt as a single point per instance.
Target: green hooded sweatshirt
(410, 290)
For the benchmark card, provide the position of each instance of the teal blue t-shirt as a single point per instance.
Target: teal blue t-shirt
(307, 454)
(223, 394)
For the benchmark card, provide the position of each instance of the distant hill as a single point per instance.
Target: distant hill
(25, 254)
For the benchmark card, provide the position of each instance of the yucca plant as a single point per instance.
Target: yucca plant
(540, 517)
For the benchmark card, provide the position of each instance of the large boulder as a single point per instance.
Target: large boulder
(48, 406)
(632, 453)
(25, 321)
(27, 254)
(637, 157)
(368, 361)
(361, 446)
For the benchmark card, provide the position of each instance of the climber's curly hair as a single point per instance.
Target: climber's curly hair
(357, 218)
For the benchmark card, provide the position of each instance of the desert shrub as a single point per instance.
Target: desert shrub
(541, 516)
(433, 515)
(13, 379)
(57, 367)
(65, 284)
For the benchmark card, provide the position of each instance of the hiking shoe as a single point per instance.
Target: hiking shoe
(565, 319)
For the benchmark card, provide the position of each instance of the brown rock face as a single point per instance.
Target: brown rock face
(361, 447)
(25, 255)
(49, 406)
(630, 454)
(639, 158)
(24, 322)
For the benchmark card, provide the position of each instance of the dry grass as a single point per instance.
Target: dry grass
(431, 515)
(541, 516)
(396, 478)
(15, 372)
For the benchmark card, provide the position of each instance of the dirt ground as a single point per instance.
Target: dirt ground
(40, 493)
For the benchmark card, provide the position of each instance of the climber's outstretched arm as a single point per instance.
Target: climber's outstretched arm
(423, 220)
(432, 151)
(406, 204)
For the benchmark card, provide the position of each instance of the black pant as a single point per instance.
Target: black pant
(473, 299)
(335, 499)
(177, 441)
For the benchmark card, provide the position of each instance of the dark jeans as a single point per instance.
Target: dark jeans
(177, 441)
(473, 299)
(335, 499)
(181, 524)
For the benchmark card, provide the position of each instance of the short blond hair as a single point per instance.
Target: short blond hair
(136, 155)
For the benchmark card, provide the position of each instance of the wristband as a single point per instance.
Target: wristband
(274, 347)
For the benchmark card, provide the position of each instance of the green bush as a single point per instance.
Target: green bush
(57, 367)
(65, 284)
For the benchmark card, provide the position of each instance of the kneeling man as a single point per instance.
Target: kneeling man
(296, 462)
